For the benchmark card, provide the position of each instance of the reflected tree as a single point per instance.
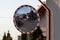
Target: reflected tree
(24, 16)
(32, 15)
(18, 22)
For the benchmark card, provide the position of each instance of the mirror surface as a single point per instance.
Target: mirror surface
(26, 18)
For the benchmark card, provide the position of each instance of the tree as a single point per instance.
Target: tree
(37, 34)
(24, 37)
(4, 37)
(8, 36)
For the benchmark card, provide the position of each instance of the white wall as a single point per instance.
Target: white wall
(54, 5)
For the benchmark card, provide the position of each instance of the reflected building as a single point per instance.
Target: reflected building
(18, 22)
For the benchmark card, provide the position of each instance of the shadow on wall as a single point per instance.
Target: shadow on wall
(53, 6)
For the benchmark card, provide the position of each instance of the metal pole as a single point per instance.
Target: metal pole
(28, 36)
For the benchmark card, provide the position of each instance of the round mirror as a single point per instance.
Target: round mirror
(25, 18)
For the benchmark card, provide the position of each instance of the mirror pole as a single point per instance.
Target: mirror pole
(28, 36)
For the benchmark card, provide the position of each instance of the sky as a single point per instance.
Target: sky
(7, 9)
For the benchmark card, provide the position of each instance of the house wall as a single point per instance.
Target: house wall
(54, 6)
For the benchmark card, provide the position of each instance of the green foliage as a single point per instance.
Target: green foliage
(4, 36)
(24, 37)
(37, 34)
(8, 37)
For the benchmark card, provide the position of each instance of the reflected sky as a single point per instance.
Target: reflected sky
(24, 10)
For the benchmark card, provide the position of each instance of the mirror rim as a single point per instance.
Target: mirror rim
(15, 22)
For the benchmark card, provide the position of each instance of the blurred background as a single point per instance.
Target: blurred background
(7, 9)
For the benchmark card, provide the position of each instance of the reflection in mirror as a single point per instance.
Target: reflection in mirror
(26, 18)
